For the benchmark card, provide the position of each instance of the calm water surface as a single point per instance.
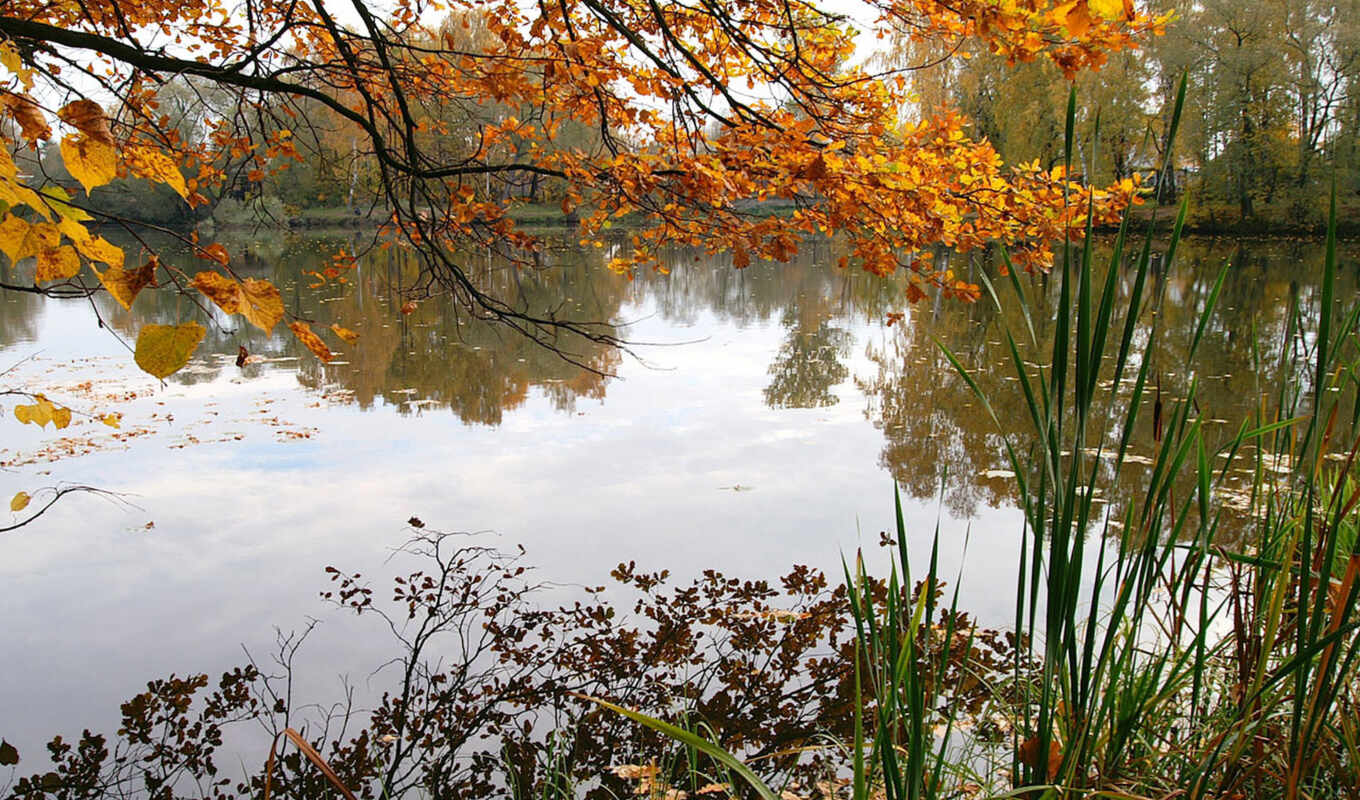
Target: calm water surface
(761, 427)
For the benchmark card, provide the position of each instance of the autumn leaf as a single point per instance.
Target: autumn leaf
(20, 239)
(28, 114)
(88, 117)
(261, 304)
(345, 333)
(113, 420)
(164, 349)
(215, 252)
(223, 291)
(57, 264)
(43, 411)
(9, 756)
(99, 249)
(19, 502)
(125, 284)
(152, 164)
(89, 160)
(303, 332)
(409, 307)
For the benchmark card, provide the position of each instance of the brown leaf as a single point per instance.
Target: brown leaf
(408, 307)
(26, 111)
(241, 355)
(88, 117)
(125, 284)
(215, 252)
(415, 522)
(303, 332)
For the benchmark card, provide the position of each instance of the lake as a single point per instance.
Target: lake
(759, 421)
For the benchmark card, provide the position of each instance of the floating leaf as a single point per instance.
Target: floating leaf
(345, 333)
(89, 161)
(152, 164)
(223, 291)
(19, 503)
(125, 284)
(88, 117)
(43, 411)
(113, 420)
(261, 304)
(26, 111)
(303, 332)
(57, 264)
(164, 349)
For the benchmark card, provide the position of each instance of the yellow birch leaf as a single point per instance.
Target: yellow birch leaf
(303, 332)
(112, 420)
(100, 249)
(125, 284)
(89, 160)
(88, 117)
(261, 304)
(152, 164)
(57, 264)
(1109, 9)
(164, 349)
(223, 291)
(345, 333)
(20, 502)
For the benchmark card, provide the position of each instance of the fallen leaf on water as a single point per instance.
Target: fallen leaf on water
(42, 412)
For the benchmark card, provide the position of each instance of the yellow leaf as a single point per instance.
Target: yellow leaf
(43, 411)
(60, 199)
(223, 291)
(111, 420)
(20, 502)
(57, 264)
(88, 117)
(125, 284)
(261, 304)
(100, 249)
(164, 349)
(345, 333)
(154, 165)
(303, 332)
(1109, 9)
(19, 239)
(89, 160)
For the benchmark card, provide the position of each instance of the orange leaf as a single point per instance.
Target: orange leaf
(345, 333)
(409, 307)
(215, 252)
(28, 114)
(303, 332)
(223, 291)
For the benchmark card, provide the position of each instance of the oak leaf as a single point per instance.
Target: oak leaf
(57, 264)
(89, 161)
(345, 333)
(124, 284)
(304, 333)
(88, 117)
(164, 349)
(19, 502)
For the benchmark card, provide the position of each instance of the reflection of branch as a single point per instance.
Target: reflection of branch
(57, 494)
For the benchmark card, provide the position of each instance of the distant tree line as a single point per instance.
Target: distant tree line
(1272, 109)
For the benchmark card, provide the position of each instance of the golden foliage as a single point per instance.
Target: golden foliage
(89, 160)
(57, 264)
(124, 285)
(41, 412)
(19, 502)
(163, 350)
(310, 340)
